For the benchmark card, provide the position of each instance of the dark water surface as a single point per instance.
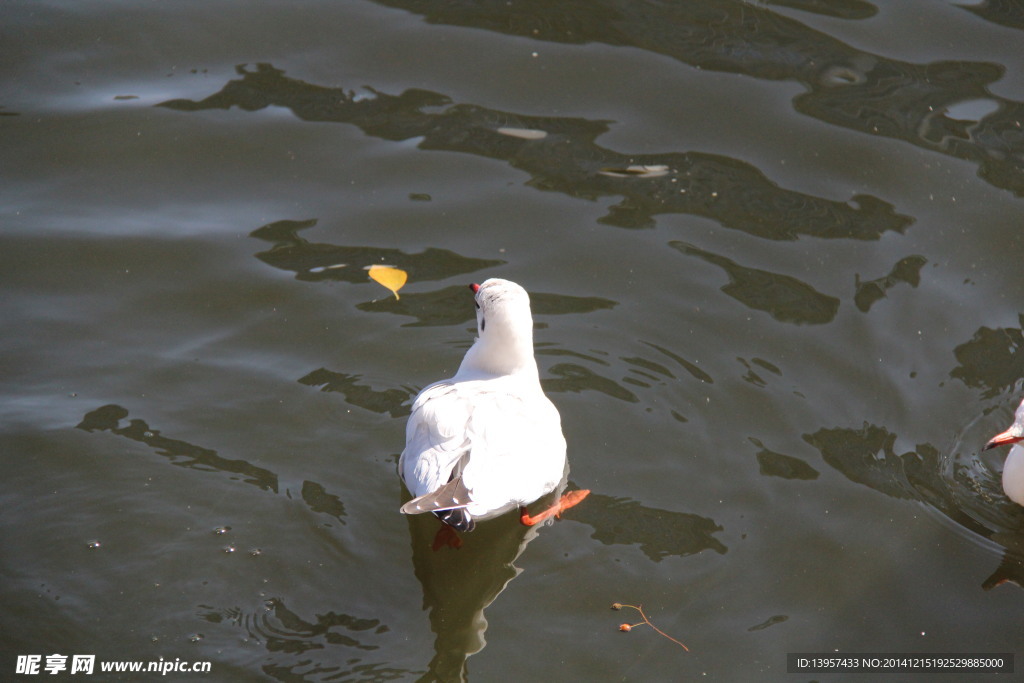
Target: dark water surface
(775, 256)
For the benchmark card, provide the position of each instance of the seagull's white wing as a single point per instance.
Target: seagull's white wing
(436, 444)
(451, 496)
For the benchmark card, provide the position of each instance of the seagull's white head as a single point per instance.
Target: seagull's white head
(1012, 435)
(504, 324)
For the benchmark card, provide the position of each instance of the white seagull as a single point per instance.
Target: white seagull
(487, 440)
(1013, 468)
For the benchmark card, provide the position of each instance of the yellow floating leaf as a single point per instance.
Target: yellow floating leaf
(389, 276)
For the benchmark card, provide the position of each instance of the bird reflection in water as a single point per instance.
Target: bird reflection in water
(458, 585)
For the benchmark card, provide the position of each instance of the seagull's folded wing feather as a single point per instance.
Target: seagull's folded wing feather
(451, 496)
(436, 444)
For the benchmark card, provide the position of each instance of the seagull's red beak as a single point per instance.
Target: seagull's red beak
(1002, 439)
(475, 287)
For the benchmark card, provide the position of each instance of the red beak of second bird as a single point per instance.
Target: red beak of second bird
(1002, 440)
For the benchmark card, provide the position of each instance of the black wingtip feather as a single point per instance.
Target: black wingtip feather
(458, 519)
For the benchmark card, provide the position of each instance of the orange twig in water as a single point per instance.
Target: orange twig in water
(630, 627)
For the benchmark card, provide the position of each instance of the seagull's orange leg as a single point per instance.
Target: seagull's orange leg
(567, 501)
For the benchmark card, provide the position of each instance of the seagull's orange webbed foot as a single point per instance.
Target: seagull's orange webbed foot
(567, 501)
(446, 536)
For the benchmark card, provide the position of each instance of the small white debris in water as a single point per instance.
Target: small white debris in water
(637, 171)
(320, 269)
(524, 133)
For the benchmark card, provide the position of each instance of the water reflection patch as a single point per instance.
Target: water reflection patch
(184, 454)
(318, 261)
(773, 464)
(290, 639)
(846, 87)
(906, 271)
(567, 159)
(992, 360)
(659, 533)
(783, 297)
(960, 484)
